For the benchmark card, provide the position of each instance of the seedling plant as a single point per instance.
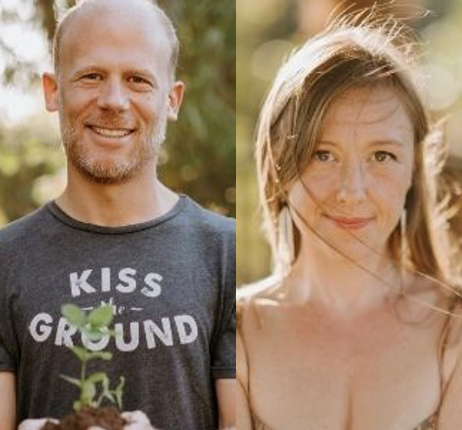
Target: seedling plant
(94, 388)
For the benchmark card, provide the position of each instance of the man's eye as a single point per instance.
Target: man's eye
(138, 80)
(92, 76)
(323, 156)
(383, 156)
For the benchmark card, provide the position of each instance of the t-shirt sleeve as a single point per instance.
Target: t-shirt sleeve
(224, 348)
(7, 362)
(224, 354)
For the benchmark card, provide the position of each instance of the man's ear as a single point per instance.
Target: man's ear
(50, 91)
(175, 97)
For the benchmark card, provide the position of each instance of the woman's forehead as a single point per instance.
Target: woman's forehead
(370, 109)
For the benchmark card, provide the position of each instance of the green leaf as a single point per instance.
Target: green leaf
(106, 385)
(118, 392)
(101, 317)
(80, 352)
(88, 392)
(77, 406)
(74, 315)
(93, 334)
(103, 355)
(73, 381)
(112, 333)
(109, 396)
(98, 377)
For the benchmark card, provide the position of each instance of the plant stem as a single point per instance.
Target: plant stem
(101, 397)
(82, 380)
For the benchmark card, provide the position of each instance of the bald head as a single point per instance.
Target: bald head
(143, 12)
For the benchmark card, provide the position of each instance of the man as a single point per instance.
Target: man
(118, 236)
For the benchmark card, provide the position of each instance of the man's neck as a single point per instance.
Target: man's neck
(139, 200)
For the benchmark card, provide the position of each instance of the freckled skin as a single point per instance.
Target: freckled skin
(361, 169)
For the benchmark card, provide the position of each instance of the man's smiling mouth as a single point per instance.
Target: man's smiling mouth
(111, 132)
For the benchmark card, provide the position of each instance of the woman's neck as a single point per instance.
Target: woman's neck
(344, 286)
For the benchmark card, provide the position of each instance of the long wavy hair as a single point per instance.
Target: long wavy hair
(364, 49)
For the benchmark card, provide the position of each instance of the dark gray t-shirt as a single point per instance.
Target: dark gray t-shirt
(171, 282)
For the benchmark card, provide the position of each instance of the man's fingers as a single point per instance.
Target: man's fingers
(137, 420)
(35, 424)
(135, 416)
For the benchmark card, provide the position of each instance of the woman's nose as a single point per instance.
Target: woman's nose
(352, 186)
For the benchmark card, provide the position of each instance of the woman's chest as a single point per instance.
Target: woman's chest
(325, 375)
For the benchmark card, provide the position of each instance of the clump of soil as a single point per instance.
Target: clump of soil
(108, 418)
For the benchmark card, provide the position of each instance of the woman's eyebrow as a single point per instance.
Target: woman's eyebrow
(388, 142)
(374, 143)
(327, 142)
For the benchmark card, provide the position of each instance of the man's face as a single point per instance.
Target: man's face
(114, 95)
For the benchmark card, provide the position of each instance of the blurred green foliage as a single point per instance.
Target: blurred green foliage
(199, 158)
(257, 23)
(205, 135)
(29, 157)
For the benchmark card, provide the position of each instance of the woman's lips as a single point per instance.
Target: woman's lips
(350, 223)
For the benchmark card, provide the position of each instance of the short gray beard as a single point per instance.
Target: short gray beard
(119, 171)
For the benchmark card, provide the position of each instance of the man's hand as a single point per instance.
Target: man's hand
(7, 401)
(137, 420)
(226, 397)
(35, 424)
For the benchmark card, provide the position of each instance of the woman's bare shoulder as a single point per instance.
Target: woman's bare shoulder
(253, 300)
(432, 297)
(256, 296)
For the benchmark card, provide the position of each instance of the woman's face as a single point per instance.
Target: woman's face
(353, 190)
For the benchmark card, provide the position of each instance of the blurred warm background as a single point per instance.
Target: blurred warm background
(268, 30)
(200, 153)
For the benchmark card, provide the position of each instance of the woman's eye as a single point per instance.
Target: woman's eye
(383, 156)
(323, 156)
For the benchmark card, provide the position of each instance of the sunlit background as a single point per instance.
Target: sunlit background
(199, 157)
(267, 31)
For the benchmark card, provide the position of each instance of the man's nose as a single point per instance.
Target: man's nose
(352, 186)
(113, 96)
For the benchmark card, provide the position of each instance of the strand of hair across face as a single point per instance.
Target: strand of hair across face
(447, 287)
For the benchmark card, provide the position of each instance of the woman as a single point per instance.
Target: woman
(357, 328)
